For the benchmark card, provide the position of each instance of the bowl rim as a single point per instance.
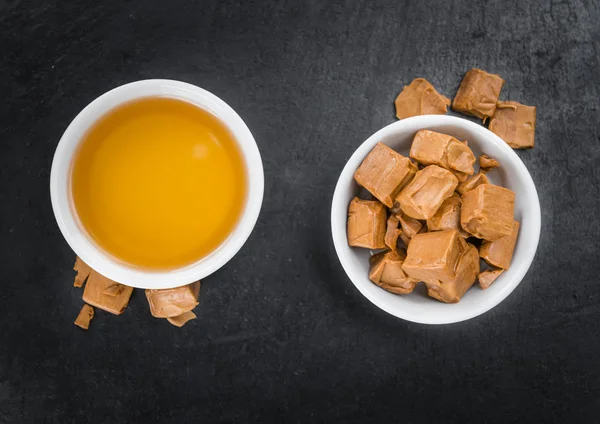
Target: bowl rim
(101, 261)
(338, 227)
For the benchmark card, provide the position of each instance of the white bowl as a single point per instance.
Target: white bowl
(417, 306)
(83, 245)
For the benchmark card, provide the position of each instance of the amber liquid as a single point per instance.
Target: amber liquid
(159, 183)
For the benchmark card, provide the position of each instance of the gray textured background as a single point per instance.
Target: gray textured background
(281, 332)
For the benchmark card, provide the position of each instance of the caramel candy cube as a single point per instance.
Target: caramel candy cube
(392, 232)
(420, 98)
(451, 291)
(472, 182)
(448, 217)
(515, 124)
(366, 224)
(168, 303)
(85, 317)
(434, 148)
(433, 257)
(423, 196)
(94, 294)
(488, 212)
(384, 172)
(386, 271)
(83, 272)
(410, 226)
(478, 94)
(499, 253)
(487, 277)
(486, 163)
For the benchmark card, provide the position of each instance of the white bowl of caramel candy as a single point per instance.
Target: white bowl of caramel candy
(435, 219)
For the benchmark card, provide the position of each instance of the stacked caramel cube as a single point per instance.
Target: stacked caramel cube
(426, 217)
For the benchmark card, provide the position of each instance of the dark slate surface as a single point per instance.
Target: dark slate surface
(282, 334)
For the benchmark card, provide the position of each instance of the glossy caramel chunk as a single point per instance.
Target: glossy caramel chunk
(366, 224)
(433, 257)
(488, 212)
(515, 124)
(167, 303)
(386, 271)
(487, 277)
(452, 290)
(94, 294)
(486, 163)
(423, 196)
(472, 182)
(410, 226)
(478, 94)
(434, 148)
(181, 320)
(85, 317)
(448, 217)
(499, 253)
(83, 272)
(420, 98)
(392, 232)
(384, 172)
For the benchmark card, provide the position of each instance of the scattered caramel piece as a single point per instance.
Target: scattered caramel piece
(420, 98)
(95, 296)
(451, 291)
(486, 163)
(386, 271)
(488, 212)
(168, 303)
(366, 223)
(499, 252)
(410, 226)
(85, 316)
(448, 217)
(181, 320)
(423, 196)
(433, 257)
(478, 94)
(473, 182)
(434, 148)
(114, 290)
(392, 233)
(487, 277)
(384, 172)
(515, 124)
(83, 272)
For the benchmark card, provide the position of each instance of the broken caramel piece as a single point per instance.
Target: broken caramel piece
(434, 148)
(181, 320)
(410, 226)
(486, 163)
(478, 94)
(384, 172)
(515, 124)
(386, 271)
(85, 316)
(448, 217)
(95, 296)
(451, 291)
(487, 277)
(460, 176)
(488, 212)
(423, 196)
(420, 98)
(433, 257)
(499, 252)
(392, 232)
(366, 224)
(83, 272)
(168, 303)
(472, 182)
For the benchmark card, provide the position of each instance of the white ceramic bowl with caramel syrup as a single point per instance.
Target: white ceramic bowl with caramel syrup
(512, 174)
